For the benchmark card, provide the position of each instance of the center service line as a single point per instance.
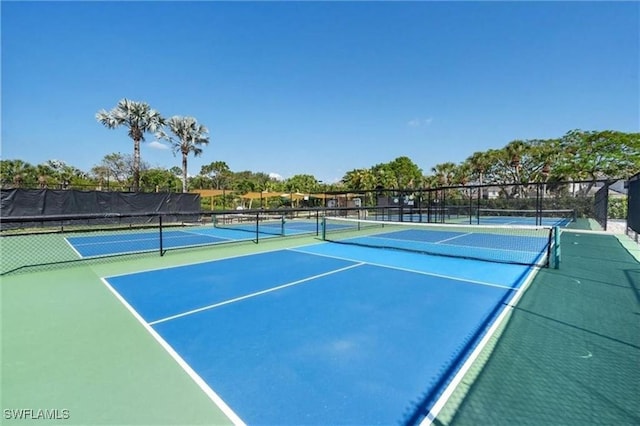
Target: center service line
(258, 293)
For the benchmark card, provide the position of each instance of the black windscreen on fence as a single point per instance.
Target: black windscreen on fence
(601, 205)
(47, 202)
(633, 200)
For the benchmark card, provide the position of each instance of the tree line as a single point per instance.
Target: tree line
(576, 156)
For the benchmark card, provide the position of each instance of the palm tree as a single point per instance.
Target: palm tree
(479, 163)
(189, 137)
(140, 118)
(516, 150)
(359, 179)
(44, 172)
(19, 172)
(445, 172)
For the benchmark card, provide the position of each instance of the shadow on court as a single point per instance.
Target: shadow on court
(570, 352)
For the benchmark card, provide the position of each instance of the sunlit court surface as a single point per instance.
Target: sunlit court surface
(326, 333)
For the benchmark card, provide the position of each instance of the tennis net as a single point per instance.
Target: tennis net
(553, 217)
(522, 245)
(261, 223)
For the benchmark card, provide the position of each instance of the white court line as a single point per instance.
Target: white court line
(165, 238)
(161, 268)
(398, 268)
(248, 296)
(154, 238)
(201, 234)
(452, 245)
(73, 248)
(453, 238)
(235, 419)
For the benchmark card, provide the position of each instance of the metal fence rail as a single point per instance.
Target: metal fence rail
(633, 206)
(41, 239)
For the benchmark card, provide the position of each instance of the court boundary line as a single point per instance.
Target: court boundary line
(255, 294)
(449, 239)
(213, 396)
(223, 240)
(167, 237)
(160, 268)
(399, 268)
(66, 239)
(377, 236)
(203, 234)
(473, 356)
(428, 225)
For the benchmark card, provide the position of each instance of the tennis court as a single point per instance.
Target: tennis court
(328, 333)
(525, 217)
(481, 216)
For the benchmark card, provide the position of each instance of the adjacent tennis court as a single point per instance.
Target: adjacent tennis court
(123, 242)
(328, 333)
(478, 216)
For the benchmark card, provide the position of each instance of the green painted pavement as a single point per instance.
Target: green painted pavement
(569, 354)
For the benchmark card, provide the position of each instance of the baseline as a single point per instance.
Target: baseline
(213, 396)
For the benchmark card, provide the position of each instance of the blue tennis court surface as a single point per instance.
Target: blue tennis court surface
(325, 333)
(107, 244)
(528, 221)
(549, 221)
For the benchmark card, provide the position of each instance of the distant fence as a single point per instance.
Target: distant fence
(633, 205)
(470, 201)
(48, 227)
(46, 241)
(16, 203)
(601, 205)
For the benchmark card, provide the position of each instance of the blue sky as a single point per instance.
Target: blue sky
(316, 88)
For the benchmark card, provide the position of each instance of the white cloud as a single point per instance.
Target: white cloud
(157, 145)
(275, 176)
(420, 122)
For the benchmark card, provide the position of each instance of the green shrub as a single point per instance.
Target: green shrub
(618, 208)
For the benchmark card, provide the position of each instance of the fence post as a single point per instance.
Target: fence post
(633, 205)
(556, 245)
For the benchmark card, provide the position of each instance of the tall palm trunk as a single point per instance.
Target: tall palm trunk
(184, 171)
(136, 165)
(136, 135)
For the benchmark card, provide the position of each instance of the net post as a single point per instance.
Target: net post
(477, 207)
(538, 206)
(160, 235)
(324, 228)
(471, 206)
(556, 247)
(444, 203)
(257, 228)
(282, 222)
